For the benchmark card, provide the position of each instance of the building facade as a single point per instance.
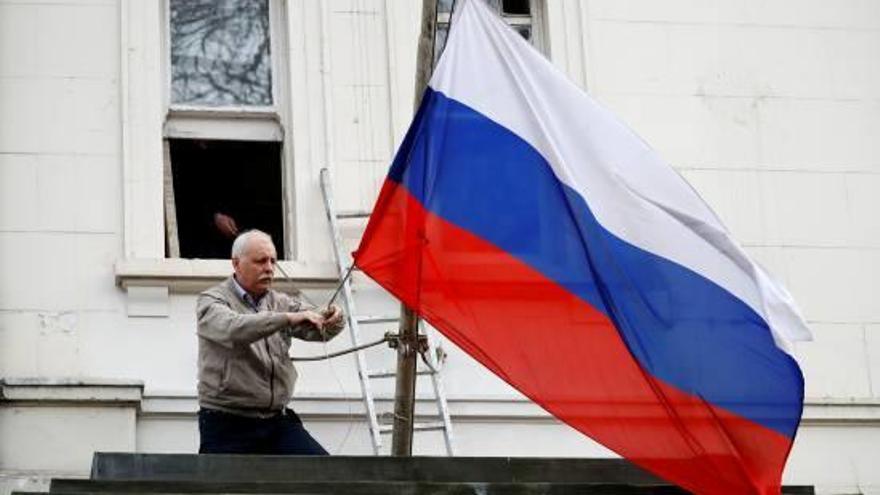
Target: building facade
(128, 125)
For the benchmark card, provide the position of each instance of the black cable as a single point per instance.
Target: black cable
(384, 339)
(422, 353)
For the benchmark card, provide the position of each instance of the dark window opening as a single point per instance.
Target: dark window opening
(515, 7)
(219, 181)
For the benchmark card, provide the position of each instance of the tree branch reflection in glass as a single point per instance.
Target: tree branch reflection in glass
(220, 53)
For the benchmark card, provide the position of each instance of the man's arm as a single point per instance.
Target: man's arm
(331, 325)
(219, 323)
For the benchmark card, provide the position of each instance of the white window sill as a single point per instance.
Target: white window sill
(190, 276)
(235, 124)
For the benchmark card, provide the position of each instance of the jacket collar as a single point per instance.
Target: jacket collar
(242, 295)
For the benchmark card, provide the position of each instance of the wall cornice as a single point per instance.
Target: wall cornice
(817, 412)
(130, 393)
(71, 391)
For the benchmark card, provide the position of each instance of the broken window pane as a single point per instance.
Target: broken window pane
(220, 53)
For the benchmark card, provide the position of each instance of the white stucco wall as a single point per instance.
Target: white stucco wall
(770, 108)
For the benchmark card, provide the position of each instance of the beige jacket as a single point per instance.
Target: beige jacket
(244, 365)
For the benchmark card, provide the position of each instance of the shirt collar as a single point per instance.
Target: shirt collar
(245, 296)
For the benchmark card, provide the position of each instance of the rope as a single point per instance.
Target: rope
(386, 338)
(335, 293)
(341, 285)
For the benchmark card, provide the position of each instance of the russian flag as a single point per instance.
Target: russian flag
(546, 239)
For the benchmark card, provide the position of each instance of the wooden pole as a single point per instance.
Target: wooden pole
(425, 55)
(407, 351)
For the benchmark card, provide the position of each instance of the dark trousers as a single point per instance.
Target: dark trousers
(225, 433)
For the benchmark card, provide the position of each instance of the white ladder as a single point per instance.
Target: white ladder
(365, 374)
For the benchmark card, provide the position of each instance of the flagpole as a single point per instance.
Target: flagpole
(405, 386)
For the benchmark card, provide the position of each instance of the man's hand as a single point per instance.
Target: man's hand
(312, 317)
(225, 225)
(332, 315)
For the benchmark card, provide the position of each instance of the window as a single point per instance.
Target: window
(218, 184)
(224, 139)
(521, 15)
(160, 128)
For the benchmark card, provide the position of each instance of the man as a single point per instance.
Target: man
(246, 377)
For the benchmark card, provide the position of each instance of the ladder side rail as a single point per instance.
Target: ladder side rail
(348, 302)
(439, 389)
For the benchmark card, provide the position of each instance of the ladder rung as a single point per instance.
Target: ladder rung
(381, 374)
(353, 214)
(378, 319)
(385, 429)
(429, 426)
(389, 373)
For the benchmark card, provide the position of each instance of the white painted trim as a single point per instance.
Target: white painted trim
(817, 412)
(194, 275)
(538, 23)
(251, 128)
(279, 12)
(327, 88)
(71, 390)
(586, 47)
(166, 53)
(565, 46)
(141, 118)
(308, 141)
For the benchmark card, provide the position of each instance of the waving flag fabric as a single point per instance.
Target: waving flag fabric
(543, 237)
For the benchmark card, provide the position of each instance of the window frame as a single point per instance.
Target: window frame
(231, 123)
(535, 20)
(141, 261)
(276, 27)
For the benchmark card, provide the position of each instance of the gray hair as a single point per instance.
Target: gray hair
(241, 242)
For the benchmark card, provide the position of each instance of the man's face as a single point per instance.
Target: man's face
(256, 266)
